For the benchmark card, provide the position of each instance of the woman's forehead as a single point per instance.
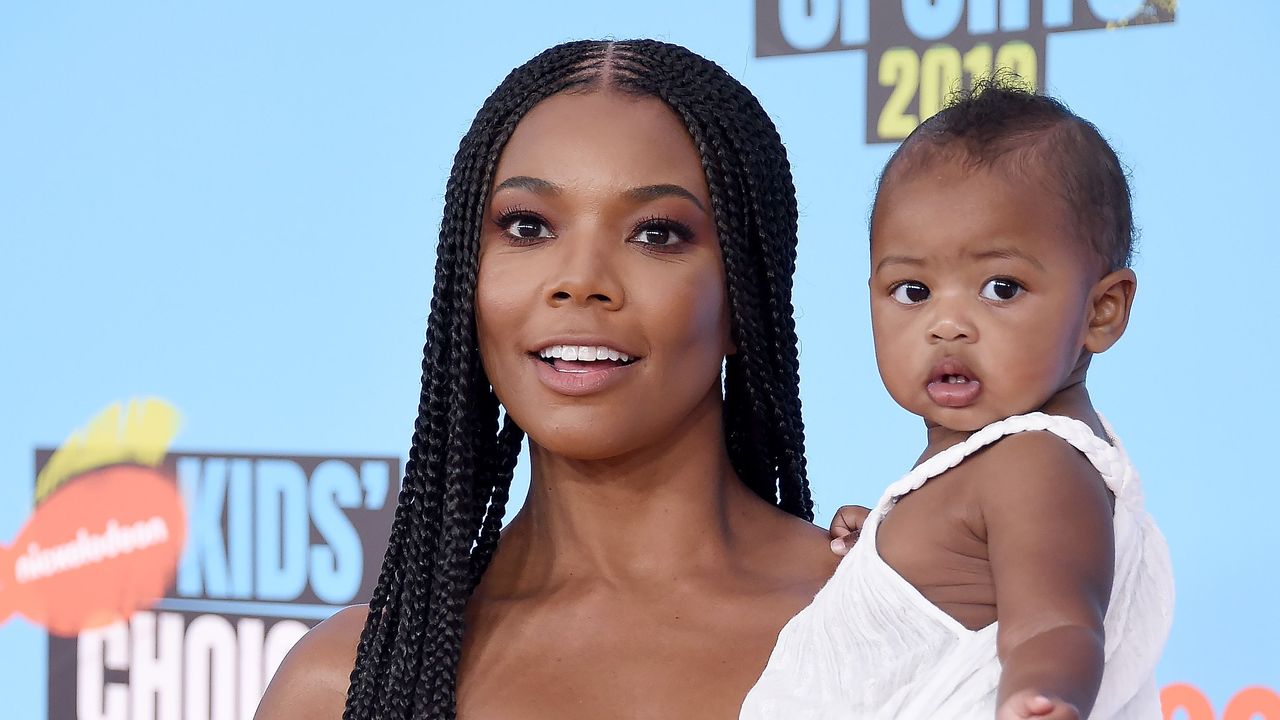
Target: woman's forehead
(602, 139)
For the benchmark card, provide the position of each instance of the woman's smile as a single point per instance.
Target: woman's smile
(582, 366)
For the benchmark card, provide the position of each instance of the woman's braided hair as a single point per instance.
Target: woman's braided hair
(460, 464)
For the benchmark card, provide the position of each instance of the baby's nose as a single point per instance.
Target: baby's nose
(951, 328)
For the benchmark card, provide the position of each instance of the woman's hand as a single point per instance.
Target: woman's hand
(1026, 704)
(846, 526)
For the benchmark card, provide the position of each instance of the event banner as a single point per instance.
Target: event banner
(210, 204)
(920, 51)
(172, 583)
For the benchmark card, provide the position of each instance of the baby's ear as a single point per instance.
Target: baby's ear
(1109, 304)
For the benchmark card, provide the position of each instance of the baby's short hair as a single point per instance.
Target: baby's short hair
(1000, 123)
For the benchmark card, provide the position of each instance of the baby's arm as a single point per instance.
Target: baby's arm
(1048, 519)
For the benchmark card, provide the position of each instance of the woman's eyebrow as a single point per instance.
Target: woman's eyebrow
(644, 193)
(653, 192)
(532, 184)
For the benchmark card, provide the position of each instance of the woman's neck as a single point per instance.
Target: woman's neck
(653, 514)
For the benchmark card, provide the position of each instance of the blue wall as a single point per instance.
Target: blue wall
(233, 206)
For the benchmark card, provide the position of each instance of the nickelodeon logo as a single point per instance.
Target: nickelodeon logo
(87, 548)
(108, 527)
(172, 583)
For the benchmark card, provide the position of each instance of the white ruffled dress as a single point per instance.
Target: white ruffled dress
(871, 646)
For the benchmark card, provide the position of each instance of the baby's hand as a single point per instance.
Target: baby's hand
(1026, 704)
(846, 526)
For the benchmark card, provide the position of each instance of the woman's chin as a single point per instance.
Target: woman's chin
(585, 441)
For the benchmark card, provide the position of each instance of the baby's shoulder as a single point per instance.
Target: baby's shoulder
(1033, 464)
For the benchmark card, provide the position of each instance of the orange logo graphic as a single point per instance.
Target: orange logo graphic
(1181, 700)
(108, 528)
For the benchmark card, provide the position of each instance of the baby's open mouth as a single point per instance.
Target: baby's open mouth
(952, 384)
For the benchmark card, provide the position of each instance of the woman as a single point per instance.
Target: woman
(620, 223)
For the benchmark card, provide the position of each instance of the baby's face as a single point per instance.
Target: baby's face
(979, 294)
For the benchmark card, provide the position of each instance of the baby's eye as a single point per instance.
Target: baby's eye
(525, 227)
(910, 292)
(1001, 289)
(661, 233)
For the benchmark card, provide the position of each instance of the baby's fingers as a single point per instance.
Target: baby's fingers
(848, 519)
(846, 526)
(1021, 706)
(1033, 706)
(1060, 711)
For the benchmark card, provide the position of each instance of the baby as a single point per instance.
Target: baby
(1013, 572)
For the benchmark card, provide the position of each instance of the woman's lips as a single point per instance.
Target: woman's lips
(576, 379)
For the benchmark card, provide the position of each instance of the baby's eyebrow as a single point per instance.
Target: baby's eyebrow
(899, 260)
(1006, 253)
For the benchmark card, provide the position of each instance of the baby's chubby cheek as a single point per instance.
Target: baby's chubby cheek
(900, 371)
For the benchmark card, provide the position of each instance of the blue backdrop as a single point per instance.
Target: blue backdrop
(233, 206)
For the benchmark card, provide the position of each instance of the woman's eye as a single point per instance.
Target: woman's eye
(526, 227)
(661, 234)
(1001, 289)
(910, 293)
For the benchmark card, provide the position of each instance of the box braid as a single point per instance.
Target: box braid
(462, 457)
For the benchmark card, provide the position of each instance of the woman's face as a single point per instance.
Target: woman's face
(600, 300)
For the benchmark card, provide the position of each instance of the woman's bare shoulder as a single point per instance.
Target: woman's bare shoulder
(796, 552)
(312, 680)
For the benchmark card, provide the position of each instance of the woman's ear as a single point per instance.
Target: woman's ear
(729, 347)
(1109, 304)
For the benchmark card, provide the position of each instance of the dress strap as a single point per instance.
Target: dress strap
(1108, 459)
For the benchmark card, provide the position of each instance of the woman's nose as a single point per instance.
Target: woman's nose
(585, 275)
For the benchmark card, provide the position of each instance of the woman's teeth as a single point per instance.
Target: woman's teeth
(582, 353)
